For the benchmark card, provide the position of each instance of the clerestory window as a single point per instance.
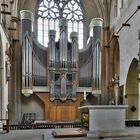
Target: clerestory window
(49, 13)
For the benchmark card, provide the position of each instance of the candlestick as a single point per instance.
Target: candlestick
(84, 95)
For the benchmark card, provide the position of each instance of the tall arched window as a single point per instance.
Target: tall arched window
(49, 13)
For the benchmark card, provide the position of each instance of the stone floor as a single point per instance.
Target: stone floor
(46, 134)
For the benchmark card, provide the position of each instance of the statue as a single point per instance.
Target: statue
(115, 81)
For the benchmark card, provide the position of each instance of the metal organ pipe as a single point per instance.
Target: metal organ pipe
(63, 43)
(96, 26)
(74, 43)
(26, 22)
(52, 47)
(52, 60)
(26, 26)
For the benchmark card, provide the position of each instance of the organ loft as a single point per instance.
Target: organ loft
(60, 75)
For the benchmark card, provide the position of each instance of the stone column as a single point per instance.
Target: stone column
(139, 80)
(1, 81)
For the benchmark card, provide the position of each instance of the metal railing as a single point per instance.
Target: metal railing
(54, 125)
(50, 125)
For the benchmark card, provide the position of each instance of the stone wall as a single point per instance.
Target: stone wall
(128, 39)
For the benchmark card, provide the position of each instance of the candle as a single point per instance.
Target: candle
(84, 95)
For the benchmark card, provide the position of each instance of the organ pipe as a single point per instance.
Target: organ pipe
(26, 27)
(63, 43)
(74, 44)
(96, 26)
(52, 47)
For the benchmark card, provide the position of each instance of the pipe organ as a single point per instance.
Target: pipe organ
(63, 61)
(60, 67)
(34, 57)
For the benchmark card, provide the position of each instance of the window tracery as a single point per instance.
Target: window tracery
(49, 13)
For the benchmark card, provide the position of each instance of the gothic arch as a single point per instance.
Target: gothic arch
(50, 12)
(132, 90)
(103, 7)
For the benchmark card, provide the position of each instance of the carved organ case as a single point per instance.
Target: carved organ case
(60, 67)
(63, 64)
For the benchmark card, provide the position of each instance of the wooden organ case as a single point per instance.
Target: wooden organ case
(60, 68)
(55, 67)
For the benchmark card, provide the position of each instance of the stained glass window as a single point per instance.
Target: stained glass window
(49, 13)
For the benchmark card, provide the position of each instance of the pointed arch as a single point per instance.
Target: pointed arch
(132, 90)
(50, 12)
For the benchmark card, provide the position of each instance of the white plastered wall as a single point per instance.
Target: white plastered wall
(128, 40)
